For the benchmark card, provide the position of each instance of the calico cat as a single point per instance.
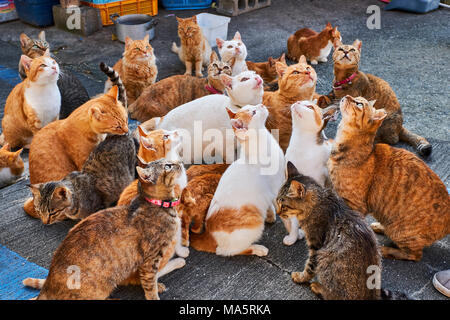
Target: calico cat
(113, 243)
(245, 196)
(137, 68)
(296, 83)
(267, 70)
(11, 166)
(73, 93)
(33, 103)
(314, 46)
(342, 247)
(210, 112)
(233, 52)
(308, 150)
(349, 80)
(107, 171)
(194, 49)
(158, 99)
(398, 189)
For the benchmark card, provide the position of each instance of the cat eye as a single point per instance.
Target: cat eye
(239, 44)
(165, 137)
(359, 104)
(230, 47)
(295, 72)
(244, 79)
(253, 112)
(42, 66)
(352, 49)
(167, 167)
(340, 49)
(215, 65)
(226, 67)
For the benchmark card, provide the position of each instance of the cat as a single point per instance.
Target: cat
(349, 80)
(107, 171)
(194, 49)
(210, 112)
(267, 71)
(409, 201)
(342, 247)
(113, 243)
(314, 46)
(11, 166)
(33, 103)
(158, 99)
(296, 83)
(245, 196)
(137, 68)
(308, 150)
(73, 93)
(233, 52)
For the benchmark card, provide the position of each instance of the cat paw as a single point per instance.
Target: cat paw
(299, 277)
(161, 287)
(199, 74)
(182, 251)
(323, 60)
(301, 234)
(259, 250)
(187, 73)
(314, 62)
(289, 241)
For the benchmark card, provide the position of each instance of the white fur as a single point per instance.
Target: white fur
(210, 111)
(6, 177)
(43, 94)
(244, 184)
(234, 48)
(324, 52)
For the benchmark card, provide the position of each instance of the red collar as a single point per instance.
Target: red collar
(163, 204)
(212, 89)
(338, 85)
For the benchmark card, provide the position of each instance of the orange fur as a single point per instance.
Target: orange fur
(266, 70)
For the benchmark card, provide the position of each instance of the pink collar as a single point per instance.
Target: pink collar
(212, 89)
(163, 204)
(338, 85)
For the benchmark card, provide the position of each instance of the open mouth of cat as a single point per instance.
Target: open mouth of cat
(240, 125)
(258, 83)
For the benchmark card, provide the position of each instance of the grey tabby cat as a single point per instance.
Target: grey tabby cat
(343, 250)
(108, 170)
(73, 93)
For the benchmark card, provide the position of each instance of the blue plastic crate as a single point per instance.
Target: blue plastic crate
(101, 1)
(36, 12)
(419, 6)
(186, 4)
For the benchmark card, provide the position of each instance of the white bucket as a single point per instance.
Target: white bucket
(213, 26)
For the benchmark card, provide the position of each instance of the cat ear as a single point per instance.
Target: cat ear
(128, 42)
(24, 40)
(147, 143)
(271, 61)
(26, 62)
(357, 44)
(47, 53)
(337, 43)
(329, 25)
(142, 131)
(193, 18)
(219, 43)
(213, 56)
(237, 36)
(372, 103)
(296, 190)
(302, 59)
(5, 147)
(146, 175)
(378, 117)
(231, 114)
(113, 93)
(34, 188)
(146, 38)
(291, 170)
(41, 35)
(141, 162)
(281, 68)
(226, 80)
(283, 58)
(17, 153)
(61, 193)
(95, 112)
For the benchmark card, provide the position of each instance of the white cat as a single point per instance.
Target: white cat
(234, 48)
(308, 150)
(244, 198)
(207, 116)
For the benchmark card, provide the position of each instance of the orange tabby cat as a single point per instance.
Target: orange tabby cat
(33, 103)
(64, 145)
(195, 49)
(314, 46)
(349, 80)
(137, 68)
(296, 82)
(398, 189)
(11, 165)
(267, 70)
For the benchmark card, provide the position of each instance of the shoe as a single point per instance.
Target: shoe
(441, 282)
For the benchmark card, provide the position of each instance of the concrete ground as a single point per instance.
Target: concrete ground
(410, 51)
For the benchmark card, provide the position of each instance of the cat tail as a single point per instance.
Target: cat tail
(34, 283)
(393, 295)
(114, 77)
(422, 146)
(203, 242)
(175, 48)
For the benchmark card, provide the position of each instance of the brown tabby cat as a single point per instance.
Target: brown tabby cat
(11, 166)
(64, 145)
(267, 70)
(342, 247)
(314, 46)
(32, 48)
(33, 103)
(111, 244)
(137, 69)
(349, 80)
(195, 49)
(296, 82)
(158, 99)
(393, 185)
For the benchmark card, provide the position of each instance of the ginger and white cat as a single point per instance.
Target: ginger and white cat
(210, 112)
(308, 150)
(11, 166)
(233, 52)
(245, 196)
(33, 103)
